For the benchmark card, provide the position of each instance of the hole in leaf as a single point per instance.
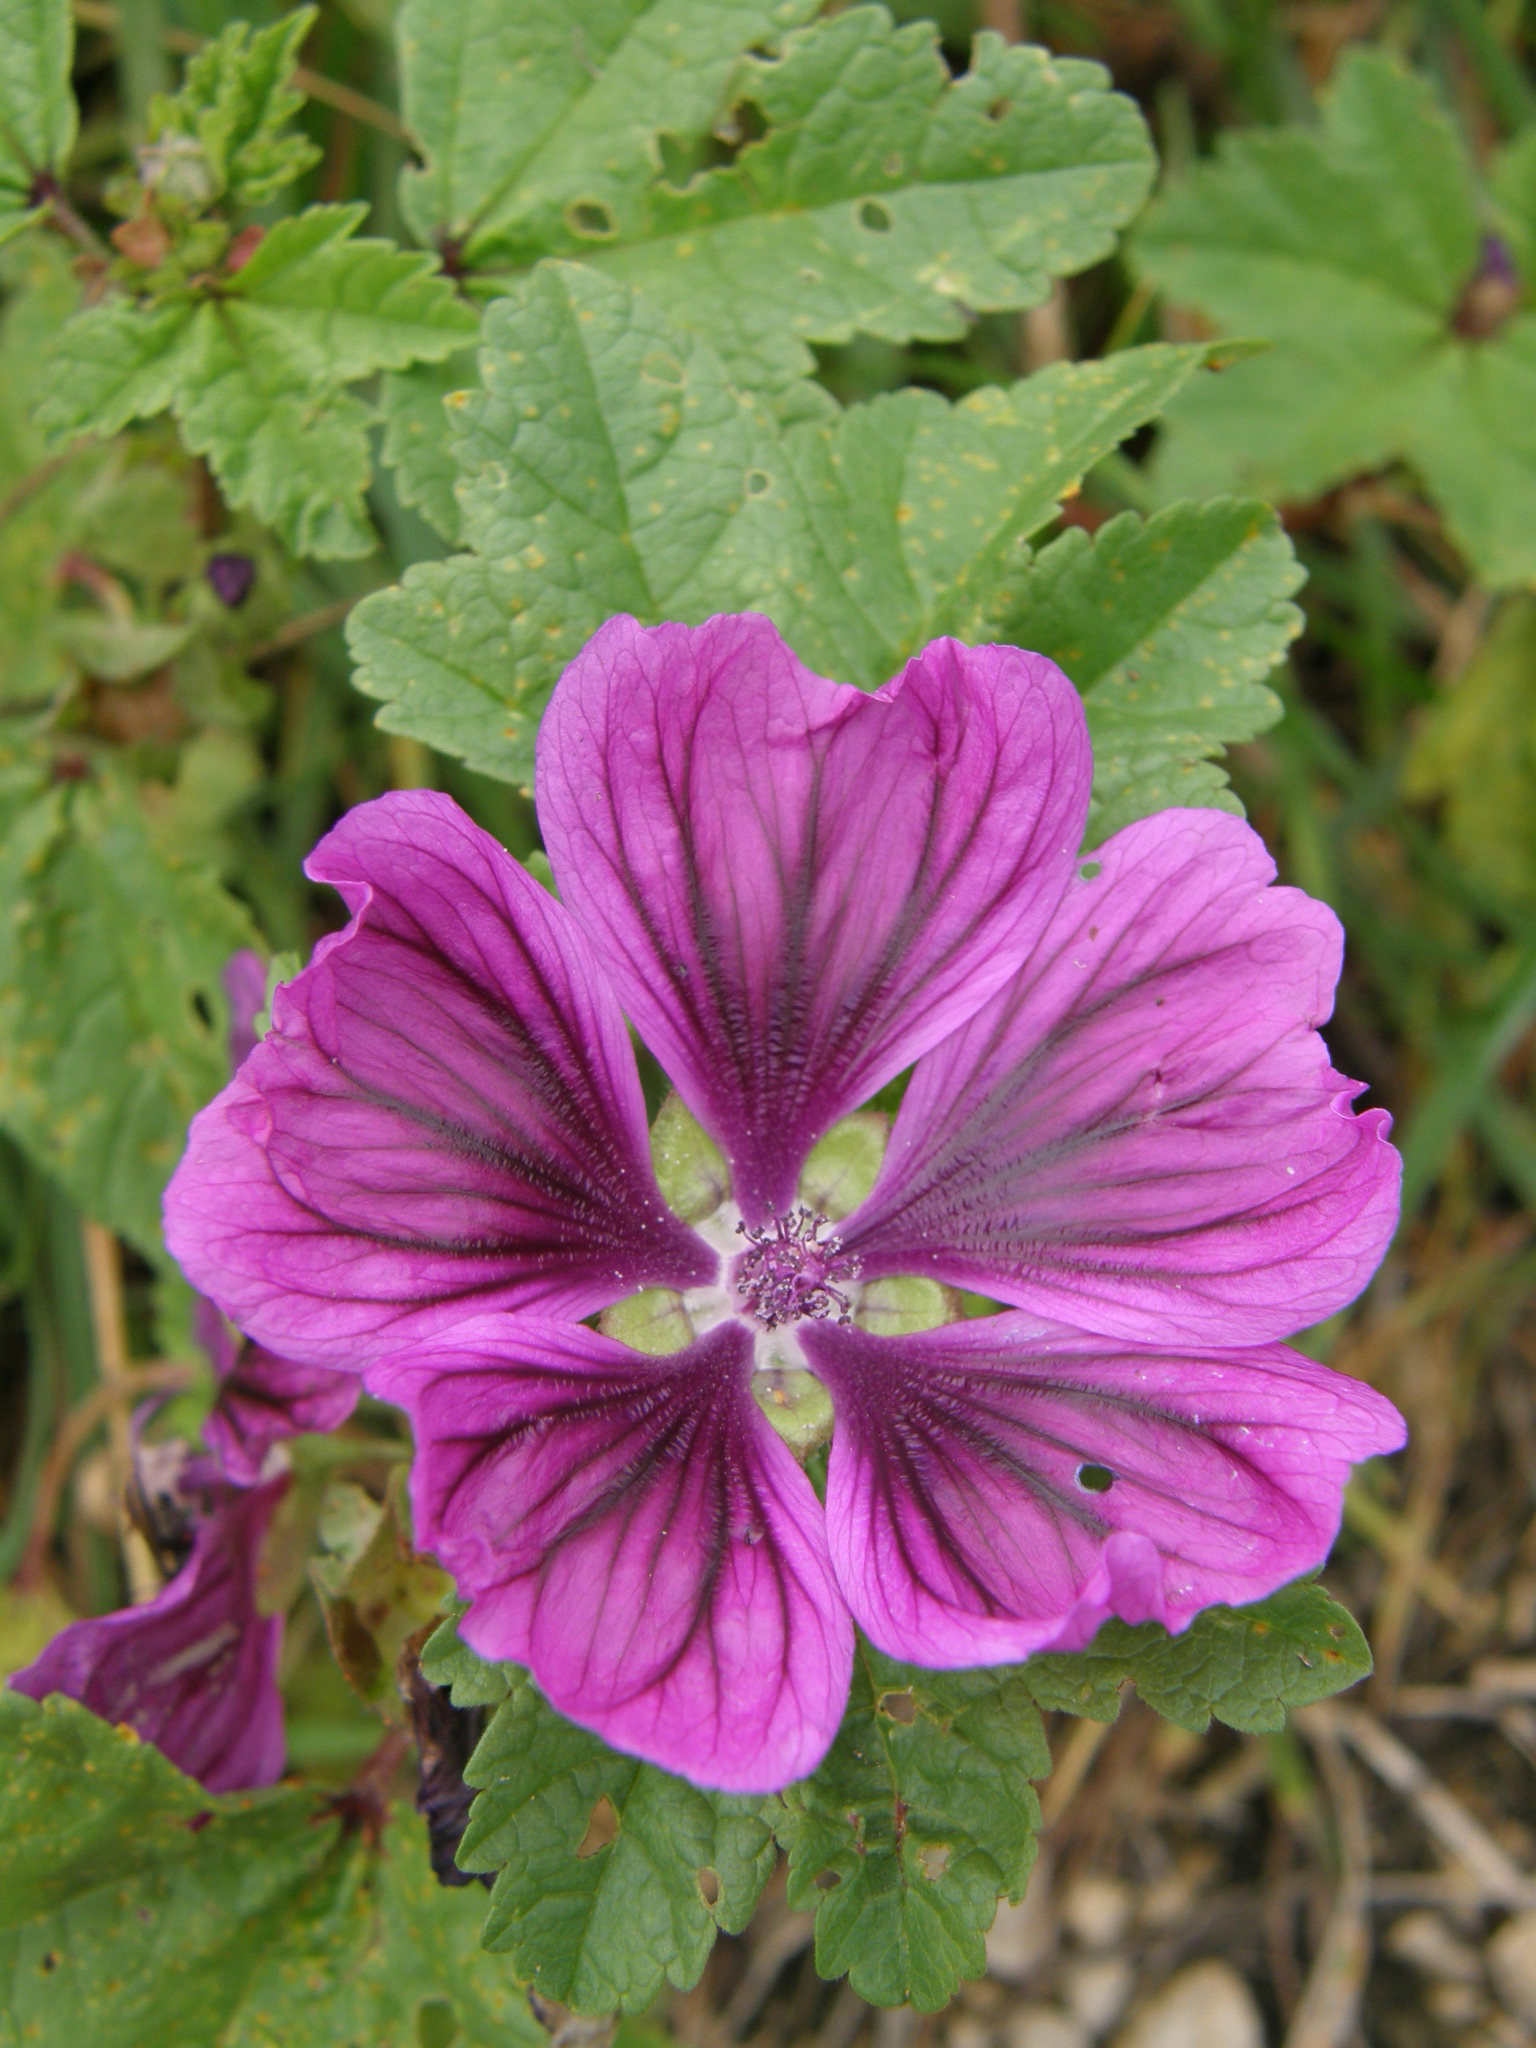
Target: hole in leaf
(709, 1886)
(998, 108)
(934, 1859)
(592, 220)
(664, 369)
(899, 1706)
(50, 1961)
(436, 2023)
(1336, 1630)
(1091, 870)
(875, 217)
(1095, 1478)
(828, 1881)
(757, 481)
(602, 1828)
(203, 1007)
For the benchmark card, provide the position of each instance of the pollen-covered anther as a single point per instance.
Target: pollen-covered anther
(791, 1273)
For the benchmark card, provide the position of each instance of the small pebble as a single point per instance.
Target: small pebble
(1423, 1940)
(1205, 2005)
(1097, 1989)
(1044, 2026)
(1022, 1936)
(1097, 1910)
(966, 2031)
(1511, 1958)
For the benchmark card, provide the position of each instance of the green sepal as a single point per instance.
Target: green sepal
(689, 1166)
(652, 1321)
(843, 1165)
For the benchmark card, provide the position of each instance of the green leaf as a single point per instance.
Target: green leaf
(37, 106)
(886, 197)
(1351, 248)
(920, 1819)
(526, 109)
(135, 1909)
(113, 1021)
(1244, 1665)
(114, 363)
(448, 1661)
(615, 1877)
(1168, 627)
(332, 308)
(255, 375)
(236, 103)
(416, 445)
(606, 464)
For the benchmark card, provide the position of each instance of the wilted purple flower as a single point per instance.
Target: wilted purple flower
(194, 1671)
(1121, 1124)
(262, 1400)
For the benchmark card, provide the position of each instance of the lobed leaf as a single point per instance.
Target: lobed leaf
(1168, 627)
(131, 1900)
(112, 1017)
(236, 103)
(606, 463)
(446, 1661)
(614, 1876)
(1244, 1665)
(255, 375)
(527, 110)
(886, 197)
(1355, 249)
(416, 437)
(920, 1819)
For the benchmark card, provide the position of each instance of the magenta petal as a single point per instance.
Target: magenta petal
(633, 1531)
(795, 887)
(1001, 1486)
(1142, 1135)
(262, 1400)
(444, 1116)
(194, 1671)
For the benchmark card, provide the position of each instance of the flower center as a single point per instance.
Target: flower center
(791, 1273)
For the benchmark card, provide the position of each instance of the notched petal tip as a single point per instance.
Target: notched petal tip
(630, 1529)
(1001, 1487)
(1142, 1134)
(798, 886)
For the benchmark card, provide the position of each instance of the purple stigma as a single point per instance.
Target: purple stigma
(789, 1273)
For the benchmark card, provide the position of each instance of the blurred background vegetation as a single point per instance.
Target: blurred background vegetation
(1215, 1892)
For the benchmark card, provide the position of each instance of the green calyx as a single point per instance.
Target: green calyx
(899, 1306)
(653, 1321)
(689, 1166)
(797, 1404)
(842, 1167)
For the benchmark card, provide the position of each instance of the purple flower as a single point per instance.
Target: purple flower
(262, 1399)
(231, 578)
(1121, 1125)
(194, 1671)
